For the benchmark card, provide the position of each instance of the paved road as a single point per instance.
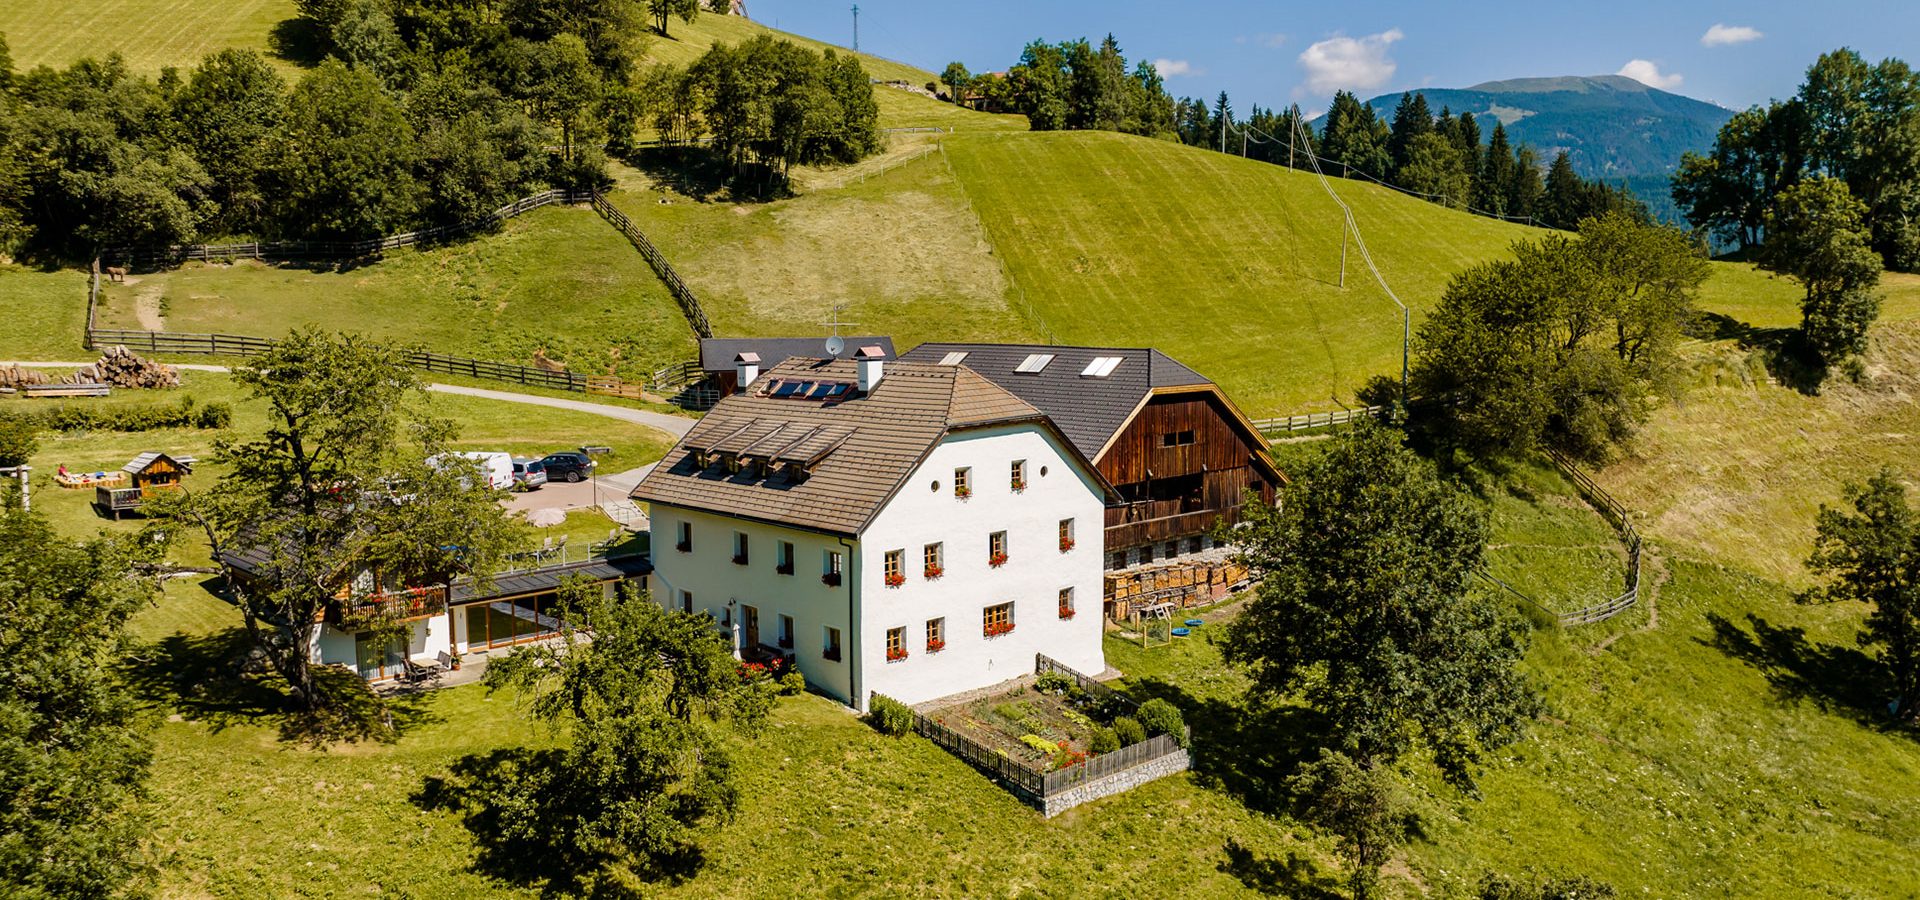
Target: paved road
(678, 426)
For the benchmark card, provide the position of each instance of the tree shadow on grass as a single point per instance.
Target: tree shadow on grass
(298, 40)
(1784, 351)
(699, 173)
(1831, 676)
(206, 678)
(516, 804)
(1295, 876)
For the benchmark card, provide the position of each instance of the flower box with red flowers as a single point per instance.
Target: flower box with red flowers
(895, 580)
(963, 492)
(997, 629)
(933, 572)
(936, 646)
(1066, 612)
(830, 579)
(1066, 544)
(897, 654)
(1019, 485)
(997, 560)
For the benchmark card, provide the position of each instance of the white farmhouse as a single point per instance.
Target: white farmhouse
(906, 529)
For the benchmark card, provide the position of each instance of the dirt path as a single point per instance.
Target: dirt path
(146, 307)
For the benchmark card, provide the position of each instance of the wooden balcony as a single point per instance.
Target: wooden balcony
(1135, 524)
(408, 605)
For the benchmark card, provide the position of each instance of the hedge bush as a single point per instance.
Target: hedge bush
(1161, 717)
(1128, 731)
(133, 417)
(793, 683)
(889, 716)
(17, 441)
(1104, 740)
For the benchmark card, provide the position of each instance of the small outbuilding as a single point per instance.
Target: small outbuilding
(150, 471)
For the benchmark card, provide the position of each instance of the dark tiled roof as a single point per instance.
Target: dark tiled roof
(548, 578)
(716, 354)
(871, 443)
(1087, 409)
(252, 558)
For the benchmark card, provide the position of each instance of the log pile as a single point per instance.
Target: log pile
(1195, 582)
(124, 368)
(15, 377)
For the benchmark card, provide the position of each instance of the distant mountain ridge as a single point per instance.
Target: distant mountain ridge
(1611, 126)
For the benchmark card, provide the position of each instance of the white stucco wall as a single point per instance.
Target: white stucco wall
(917, 515)
(716, 582)
(1031, 578)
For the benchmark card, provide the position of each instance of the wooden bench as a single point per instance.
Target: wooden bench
(68, 390)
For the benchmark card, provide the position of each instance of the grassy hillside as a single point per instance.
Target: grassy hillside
(47, 313)
(151, 34)
(558, 279)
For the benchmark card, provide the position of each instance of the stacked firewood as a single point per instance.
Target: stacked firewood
(124, 368)
(15, 377)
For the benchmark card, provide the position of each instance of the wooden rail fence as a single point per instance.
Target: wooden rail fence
(1306, 421)
(683, 295)
(244, 345)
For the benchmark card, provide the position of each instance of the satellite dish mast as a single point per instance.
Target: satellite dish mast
(836, 344)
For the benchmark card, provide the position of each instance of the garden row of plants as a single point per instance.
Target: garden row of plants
(72, 417)
(1104, 722)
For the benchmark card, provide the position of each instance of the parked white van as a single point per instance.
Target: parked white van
(497, 468)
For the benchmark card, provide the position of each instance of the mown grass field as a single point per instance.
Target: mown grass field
(46, 313)
(520, 429)
(556, 279)
(150, 34)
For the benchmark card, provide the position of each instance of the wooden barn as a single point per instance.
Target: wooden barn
(148, 472)
(1178, 451)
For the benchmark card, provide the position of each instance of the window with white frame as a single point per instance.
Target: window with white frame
(683, 537)
(1066, 603)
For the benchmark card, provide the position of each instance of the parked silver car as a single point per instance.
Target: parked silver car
(528, 474)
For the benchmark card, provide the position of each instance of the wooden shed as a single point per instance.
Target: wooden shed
(151, 471)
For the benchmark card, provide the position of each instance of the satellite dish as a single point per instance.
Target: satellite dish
(835, 345)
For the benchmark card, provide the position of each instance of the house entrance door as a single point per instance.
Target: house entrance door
(751, 619)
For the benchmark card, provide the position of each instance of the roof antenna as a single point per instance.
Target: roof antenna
(836, 344)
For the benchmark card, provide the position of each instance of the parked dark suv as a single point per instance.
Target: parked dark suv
(569, 466)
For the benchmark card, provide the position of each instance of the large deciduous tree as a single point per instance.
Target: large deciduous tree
(73, 758)
(662, 10)
(1567, 344)
(345, 158)
(1871, 555)
(1817, 233)
(226, 112)
(643, 701)
(343, 499)
(1368, 611)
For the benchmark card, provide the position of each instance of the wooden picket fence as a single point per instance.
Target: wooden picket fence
(336, 250)
(682, 295)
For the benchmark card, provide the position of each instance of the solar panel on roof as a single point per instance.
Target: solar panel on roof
(1034, 363)
(954, 358)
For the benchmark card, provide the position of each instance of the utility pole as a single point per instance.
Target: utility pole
(856, 28)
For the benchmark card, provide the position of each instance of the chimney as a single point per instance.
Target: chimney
(746, 367)
(868, 361)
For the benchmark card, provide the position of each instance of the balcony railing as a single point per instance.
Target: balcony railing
(416, 603)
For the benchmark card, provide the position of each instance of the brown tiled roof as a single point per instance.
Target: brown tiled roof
(871, 442)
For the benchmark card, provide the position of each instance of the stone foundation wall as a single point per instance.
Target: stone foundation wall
(1171, 764)
(1184, 584)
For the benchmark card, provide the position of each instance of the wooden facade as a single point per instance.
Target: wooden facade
(1185, 461)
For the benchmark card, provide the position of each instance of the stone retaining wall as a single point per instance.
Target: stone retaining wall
(1171, 764)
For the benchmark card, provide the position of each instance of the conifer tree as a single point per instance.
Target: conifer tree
(1493, 189)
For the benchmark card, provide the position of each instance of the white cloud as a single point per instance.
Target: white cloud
(1649, 74)
(1723, 35)
(1172, 68)
(1344, 63)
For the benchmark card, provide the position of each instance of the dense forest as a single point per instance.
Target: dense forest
(423, 112)
(1076, 85)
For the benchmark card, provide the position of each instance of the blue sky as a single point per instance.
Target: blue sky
(1273, 54)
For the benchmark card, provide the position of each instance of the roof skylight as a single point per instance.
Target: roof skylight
(1033, 364)
(1101, 367)
(954, 358)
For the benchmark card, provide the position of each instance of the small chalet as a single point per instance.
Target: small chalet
(729, 363)
(900, 528)
(1180, 455)
(148, 472)
(448, 620)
